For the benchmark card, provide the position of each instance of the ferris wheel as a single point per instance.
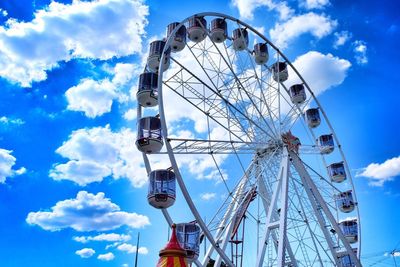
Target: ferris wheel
(217, 96)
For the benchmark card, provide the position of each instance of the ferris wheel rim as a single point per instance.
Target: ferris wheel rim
(161, 104)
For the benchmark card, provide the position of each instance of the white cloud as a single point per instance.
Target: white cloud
(95, 98)
(125, 265)
(341, 38)
(320, 71)
(97, 153)
(7, 161)
(379, 173)
(247, 7)
(315, 4)
(124, 72)
(3, 12)
(143, 250)
(106, 257)
(81, 172)
(113, 245)
(20, 171)
(92, 97)
(318, 25)
(100, 29)
(7, 121)
(360, 51)
(128, 248)
(87, 212)
(130, 114)
(112, 237)
(85, 252)
(207, 196)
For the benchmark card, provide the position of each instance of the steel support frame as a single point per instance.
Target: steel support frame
(262, 189)
(281, 193)
(228, 215)
(317, 201)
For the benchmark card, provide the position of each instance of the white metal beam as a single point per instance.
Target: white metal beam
(262, 189)
(223, 228)
(283, 207)
(317, 201)
(281, 193)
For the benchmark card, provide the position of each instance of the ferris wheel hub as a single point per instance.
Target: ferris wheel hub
(292, 142)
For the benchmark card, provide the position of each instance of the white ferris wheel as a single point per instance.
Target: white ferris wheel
(289, 199)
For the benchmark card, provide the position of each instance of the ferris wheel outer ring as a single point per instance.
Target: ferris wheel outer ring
(165, 130)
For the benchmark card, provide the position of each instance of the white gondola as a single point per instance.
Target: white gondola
(197, 30)
(349, 229)
(240, 39)
(312, 117)
(219, 30)
(261, 53)
(326, 144)
(155, 53)
(280, 72)
(149, 139)
(345, 202)
(178, 42)
(188, 235)
(337, 172)
(297, 93)
(147, 94)
(161, 194)
(345, 259)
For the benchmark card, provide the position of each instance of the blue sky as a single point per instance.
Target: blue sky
(72, 184)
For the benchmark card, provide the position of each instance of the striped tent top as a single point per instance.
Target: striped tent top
(173, 255)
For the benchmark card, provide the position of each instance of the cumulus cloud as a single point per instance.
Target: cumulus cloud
(81, 172)
(85, 252)
(124, 72)
(360, 52)
(379, 173)
(100, 29)
(95, 98)
(128, 248)
(7, 161)
(112, 237)
(315, 4)
(318, 25)
(130, 114)
(106, 257)
(87, 212)
(341, 38)
(246, 7)
(319, 70)
(207, 196)
(97, 153)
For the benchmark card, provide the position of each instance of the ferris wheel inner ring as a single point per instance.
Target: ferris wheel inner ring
(276, 140)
